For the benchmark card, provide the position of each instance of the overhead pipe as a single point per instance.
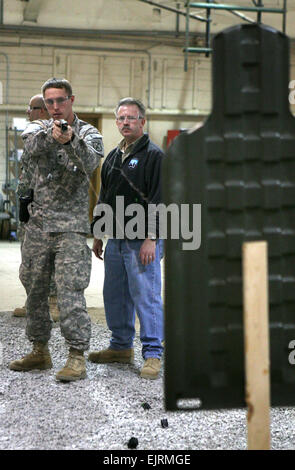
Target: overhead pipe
(222, 6)
(84, 33)
(208, 16)
(192, 15)
(173, 10)
(237, 13)
(260, 5)
(177, 21)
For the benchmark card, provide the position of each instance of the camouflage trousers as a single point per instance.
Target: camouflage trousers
(70, 256)
(21, 230)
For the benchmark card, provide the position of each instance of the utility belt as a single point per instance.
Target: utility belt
(24, 201)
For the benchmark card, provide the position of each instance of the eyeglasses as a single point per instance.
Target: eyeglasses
(61, 100)
(31, 108)
(128, 118)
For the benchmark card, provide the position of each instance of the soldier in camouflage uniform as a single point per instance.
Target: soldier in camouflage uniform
(36, 110)
(56, 231)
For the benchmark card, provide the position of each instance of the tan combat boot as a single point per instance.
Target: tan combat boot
(151, 368)
(75, 368)
(125, 356)
(53, 308)
(39, 358)
(20, 312)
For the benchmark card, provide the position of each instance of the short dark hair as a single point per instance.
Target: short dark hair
(131, 101)
(57, 83)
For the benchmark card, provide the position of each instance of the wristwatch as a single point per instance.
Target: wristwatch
(153, 238)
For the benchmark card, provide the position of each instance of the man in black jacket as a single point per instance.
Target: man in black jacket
(131, 181)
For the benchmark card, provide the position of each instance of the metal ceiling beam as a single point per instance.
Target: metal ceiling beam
(76, 33)
(223, 6)
(32, 9)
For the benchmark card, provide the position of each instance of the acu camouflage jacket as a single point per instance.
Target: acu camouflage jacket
(61, 175)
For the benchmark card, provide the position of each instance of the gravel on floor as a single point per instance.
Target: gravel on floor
(106, 409)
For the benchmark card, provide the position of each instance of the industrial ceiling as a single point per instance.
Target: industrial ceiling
(155, 19)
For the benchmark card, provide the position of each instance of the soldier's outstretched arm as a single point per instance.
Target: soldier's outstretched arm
(86, 150)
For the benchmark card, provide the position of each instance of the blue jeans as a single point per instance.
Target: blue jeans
(131, 287)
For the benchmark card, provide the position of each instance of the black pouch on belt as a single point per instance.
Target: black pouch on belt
(24, 201)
